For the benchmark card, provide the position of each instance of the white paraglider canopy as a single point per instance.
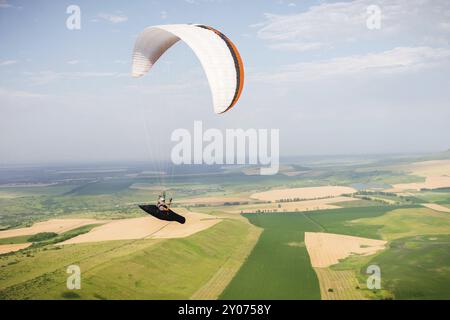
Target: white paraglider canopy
(217, 54)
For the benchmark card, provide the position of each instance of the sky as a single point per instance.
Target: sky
(313, 70)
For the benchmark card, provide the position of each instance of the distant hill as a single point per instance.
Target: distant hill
(445, 155)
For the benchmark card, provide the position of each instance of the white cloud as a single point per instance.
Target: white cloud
(7, 62)
(423, 22)
(73, 62)
(164, 15)
(113, 17)
(402, 59)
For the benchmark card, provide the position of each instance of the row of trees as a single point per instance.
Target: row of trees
(297, 199)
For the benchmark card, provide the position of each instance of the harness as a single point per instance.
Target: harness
(163, 205)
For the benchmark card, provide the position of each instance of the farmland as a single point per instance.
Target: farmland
(245, 245)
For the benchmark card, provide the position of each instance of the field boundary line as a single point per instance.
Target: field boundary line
(220, 280)
(314, 222)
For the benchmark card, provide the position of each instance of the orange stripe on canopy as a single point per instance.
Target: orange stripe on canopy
(238, 62)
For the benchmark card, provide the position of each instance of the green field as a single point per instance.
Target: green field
(416, 267)
(279, 265)
(341, 221)
(102, 187)
(442, 197)
(406, 222)
(14, 240)
(17, 192)
(416, 263)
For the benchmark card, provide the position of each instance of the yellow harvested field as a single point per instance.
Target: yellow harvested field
(326, 249)
(53, 225)
(436, 172)
(436, 207)
(430, 168)
(431, 182)
(302, 193)
(212, 200)
(147, 227)
(338, 285)
(298, 206)
(6, 248)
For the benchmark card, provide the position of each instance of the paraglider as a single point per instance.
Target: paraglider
(221, 63)
(167, 216)
(162, 210)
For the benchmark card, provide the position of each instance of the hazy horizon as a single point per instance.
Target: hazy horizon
(286, 159)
